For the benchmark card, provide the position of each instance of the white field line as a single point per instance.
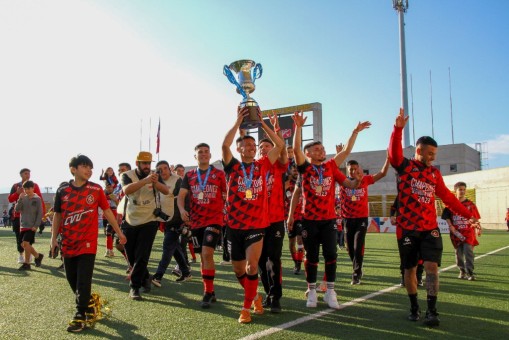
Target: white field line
(310, 317)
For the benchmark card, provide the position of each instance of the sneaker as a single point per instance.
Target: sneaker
(245, 316)
(111, 253)
(415, 314)
(38, 261)
(61, 267)
(275, 306)
(312, 301)
(267, 301)
(356, 279)
(208, 298)
(431, 319)
(296, 269)
(462, 276)
(134, 294)
(176, 272)
(25, 266)
(471, 277)
(147, 285)
(156, 281)
(258, 305)
(21, 259)
(420, 283)
(184, 278)
(331, 298)
(77, 324)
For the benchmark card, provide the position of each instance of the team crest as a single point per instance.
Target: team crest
(209, 238)
(90, 199)
(304, 234)
(407, 241)
(435, 233)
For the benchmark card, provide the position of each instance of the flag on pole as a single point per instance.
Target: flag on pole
(158, 140)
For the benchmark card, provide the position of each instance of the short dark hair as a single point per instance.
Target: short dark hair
(162, 162)
(265, 140)
(243, 138)
(289, 146)
(127, 165)
(460, 184)
(23, 170)
(352, 162)
(80, 160)
(311, 144)
(28, 184)
(179, 166)
(201, 145)
(426, 140)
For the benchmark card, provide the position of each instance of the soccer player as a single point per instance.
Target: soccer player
(247, 208)
(205, 185)
(463, 233)
(295, 235)
(419, 182)
(76, 218)
(319, 179)
(354, 210)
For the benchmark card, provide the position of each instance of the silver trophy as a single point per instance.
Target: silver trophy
(245, 86)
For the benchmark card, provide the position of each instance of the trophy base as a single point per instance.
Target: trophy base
(252, 121)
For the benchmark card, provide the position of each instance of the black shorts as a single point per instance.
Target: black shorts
(240, 240)
(421, 244)
(296, 231)
(27, 236)
(206, 236)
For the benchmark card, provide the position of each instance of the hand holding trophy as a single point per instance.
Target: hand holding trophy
(245, 86)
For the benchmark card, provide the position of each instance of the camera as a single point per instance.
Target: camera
(159, 213)
(53, 253)
(185, 231)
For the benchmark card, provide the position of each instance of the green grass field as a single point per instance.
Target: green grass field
(38, 304)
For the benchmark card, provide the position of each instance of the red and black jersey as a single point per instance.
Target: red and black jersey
(339, 218)
(275, 192)
(417, 186)
(290, 186)
(319, 194)
(354, 202)
(462, 224)
(247, 204)
(206, 200)
(80, 217)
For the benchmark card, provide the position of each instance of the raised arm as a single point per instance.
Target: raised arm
(383, 172)
(341, 155)
(283, 155)
(395, 147)
(279, 143)
(299, 120)
(230, 135)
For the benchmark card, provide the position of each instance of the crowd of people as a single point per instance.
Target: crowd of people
(271, 190)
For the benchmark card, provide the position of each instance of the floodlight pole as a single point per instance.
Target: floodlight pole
(401, 6)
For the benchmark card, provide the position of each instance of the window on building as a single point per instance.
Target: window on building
(366, 172)
(453, 168)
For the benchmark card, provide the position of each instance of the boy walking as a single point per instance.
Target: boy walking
(463, 234)
(76, 219)
(30, 207)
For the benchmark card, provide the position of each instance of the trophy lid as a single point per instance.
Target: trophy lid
(244, 64)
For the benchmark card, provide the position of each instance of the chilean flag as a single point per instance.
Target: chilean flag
(158, 141)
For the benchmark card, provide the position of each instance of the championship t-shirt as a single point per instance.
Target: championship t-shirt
(290, 187)
(247, 194)
(80, 218)
(275, 192)
(462, 224)
(319, 188)
(206, 193)
(354, 202)
(417, 186)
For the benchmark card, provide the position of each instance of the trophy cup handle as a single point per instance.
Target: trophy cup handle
(228, 73)
(257, 72)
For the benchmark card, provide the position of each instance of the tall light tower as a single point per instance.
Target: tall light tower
(401, 6)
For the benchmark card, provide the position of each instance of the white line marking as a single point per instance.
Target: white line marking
(310, 317)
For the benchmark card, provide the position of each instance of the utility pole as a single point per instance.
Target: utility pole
(401, 7)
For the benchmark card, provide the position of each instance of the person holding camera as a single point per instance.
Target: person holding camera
(142, 188)
(205, 186)
(173, 227)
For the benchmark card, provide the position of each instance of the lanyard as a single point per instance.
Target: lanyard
(204, 183)
(320, 173)
(247, 181)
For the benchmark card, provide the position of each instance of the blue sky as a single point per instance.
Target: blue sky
(87, 76)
